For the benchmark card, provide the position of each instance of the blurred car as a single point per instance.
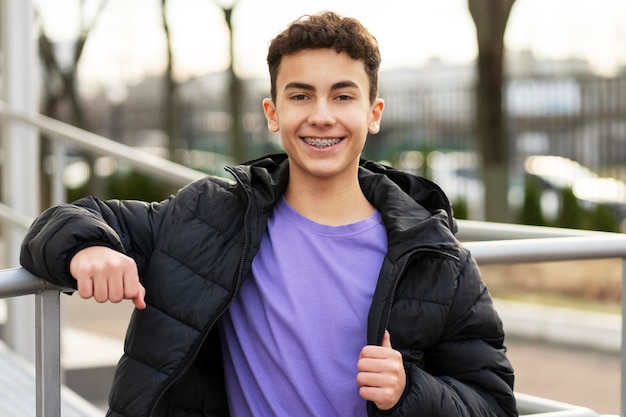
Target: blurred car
(590, 189)
(458, 174)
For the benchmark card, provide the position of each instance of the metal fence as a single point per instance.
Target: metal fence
(578, 116)
(581, 117)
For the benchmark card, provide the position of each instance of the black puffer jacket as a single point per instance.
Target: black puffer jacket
(193, 250)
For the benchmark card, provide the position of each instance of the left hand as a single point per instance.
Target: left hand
(381, 376)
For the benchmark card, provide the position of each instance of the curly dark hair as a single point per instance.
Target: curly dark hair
(326, 30)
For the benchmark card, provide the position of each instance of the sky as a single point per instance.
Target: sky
(127, 42)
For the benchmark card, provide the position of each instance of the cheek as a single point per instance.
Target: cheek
(360, 122)
(289, 120)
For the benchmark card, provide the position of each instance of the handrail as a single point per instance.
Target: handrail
(15, 217)
(537, 406)
(17, 282)
(473, 230)
(598, 245)
(150, 164)
(601, 246)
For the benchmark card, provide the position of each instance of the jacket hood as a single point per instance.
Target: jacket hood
(415, 210)
(421, 190)
(409, 204)
(269, 175)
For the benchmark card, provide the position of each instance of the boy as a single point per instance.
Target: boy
(316, 284)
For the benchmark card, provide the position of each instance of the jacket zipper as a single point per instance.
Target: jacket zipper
(371, 408)
(239, 277)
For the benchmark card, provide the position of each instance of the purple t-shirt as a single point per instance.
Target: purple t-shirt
(293, 335)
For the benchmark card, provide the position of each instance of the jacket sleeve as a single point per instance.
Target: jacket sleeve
(59, 232)
(466, 372)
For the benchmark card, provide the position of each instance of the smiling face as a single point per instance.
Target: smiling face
(323, 114)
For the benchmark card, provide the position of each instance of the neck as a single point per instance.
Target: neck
(332, 203)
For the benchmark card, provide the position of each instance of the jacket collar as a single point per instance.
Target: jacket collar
(414, 209)
(416, 212)
(268, 177)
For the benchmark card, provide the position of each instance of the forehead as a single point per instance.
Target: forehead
(319, 67)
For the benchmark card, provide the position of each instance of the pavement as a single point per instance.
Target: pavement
(565, 355)
(18, 384)
(582, 377)
(558, 354)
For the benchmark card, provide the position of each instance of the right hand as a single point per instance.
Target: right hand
(107, 275)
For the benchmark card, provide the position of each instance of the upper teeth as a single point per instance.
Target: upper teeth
(321, 143)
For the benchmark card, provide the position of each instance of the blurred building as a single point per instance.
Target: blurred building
(554, 107)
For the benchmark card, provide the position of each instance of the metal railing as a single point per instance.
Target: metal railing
(514, 244)
(60, 132)
(17, 282)
(530, 406)
(545, 249)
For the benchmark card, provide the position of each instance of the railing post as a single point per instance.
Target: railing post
(20, 147)
(48, 353)
(60, 161)
(623, 348)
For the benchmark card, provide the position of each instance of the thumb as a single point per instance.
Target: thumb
(387, 340)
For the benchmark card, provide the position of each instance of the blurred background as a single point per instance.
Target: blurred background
(516, 108)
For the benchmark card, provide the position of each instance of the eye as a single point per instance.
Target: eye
(343, 97)
(299, 97)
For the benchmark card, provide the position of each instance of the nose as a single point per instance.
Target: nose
(321, 115)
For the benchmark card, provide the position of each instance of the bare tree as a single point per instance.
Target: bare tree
(490, 18)
(238, 151)
(238, 145)
(61, 78)
(170, 105)
(60, 86)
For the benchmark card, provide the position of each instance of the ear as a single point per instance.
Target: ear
(270, 114)
(377, 114)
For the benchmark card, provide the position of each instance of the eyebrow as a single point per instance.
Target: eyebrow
(308, 87)
(299, 86)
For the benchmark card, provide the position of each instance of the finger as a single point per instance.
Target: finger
(85, 287)
(387, 340)
(131, 285)
(139, 300)
(375, 352)
(374, 364)
(101, 288)
(372, 379)
(116, 289)
(133, 290)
